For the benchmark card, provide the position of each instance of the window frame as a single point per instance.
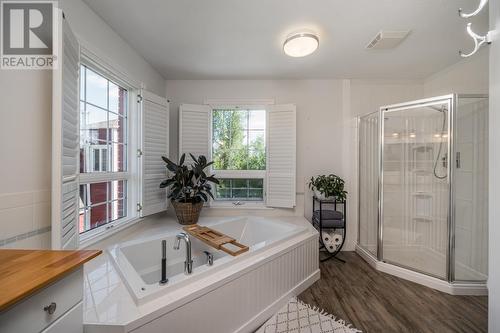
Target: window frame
(132, 132)
(258, 105)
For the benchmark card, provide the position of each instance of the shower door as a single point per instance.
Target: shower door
(415, 188)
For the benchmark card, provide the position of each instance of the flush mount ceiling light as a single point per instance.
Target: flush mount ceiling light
(300, 44)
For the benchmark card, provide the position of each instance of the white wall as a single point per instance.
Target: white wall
(468, 76)
(494, 181)
(25, 130)
(369, 95)
(25, 134)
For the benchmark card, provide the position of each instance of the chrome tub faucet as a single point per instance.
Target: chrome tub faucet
(188, 263)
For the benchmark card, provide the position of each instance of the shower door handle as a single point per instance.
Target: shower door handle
(457, 160)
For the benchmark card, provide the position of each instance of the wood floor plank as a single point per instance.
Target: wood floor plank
(373, 301)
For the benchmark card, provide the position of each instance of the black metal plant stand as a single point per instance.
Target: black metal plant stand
(328, 219)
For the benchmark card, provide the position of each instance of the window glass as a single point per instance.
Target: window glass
(239, 151)
(117, 156)
(103, 120)
(99, 157)
(116, 127)
(250, 189)
(96, 89)
(118, 189)
(103, 149)
(101, 203)
(116, 210)
(238, 139)
(117, 99)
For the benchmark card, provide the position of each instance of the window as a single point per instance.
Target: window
(253, 148)
(239, 153)
(240, 189)
(103, 150)
(99, 157)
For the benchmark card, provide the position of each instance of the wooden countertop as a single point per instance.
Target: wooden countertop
(23, 272)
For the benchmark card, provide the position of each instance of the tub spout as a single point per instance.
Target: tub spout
(188, 263)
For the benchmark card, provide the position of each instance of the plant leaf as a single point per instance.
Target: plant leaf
(204, 196)
(183, 157)
(213, 179)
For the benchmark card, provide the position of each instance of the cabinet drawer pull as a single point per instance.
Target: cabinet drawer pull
(51, 308)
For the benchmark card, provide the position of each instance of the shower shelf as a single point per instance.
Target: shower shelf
(423, 194)
(422, 147)
(426, 219)
(421, 171)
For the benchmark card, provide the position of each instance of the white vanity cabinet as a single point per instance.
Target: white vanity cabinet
(50, 308)
(52, 301)
(70, 322)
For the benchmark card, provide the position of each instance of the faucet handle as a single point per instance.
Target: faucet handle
(210, 258)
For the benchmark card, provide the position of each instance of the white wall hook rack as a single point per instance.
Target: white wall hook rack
(474, 13)
(478, 41)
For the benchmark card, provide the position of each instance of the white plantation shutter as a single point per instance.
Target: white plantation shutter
(194, 130)
(155, 122)
(281, 156)
(65, 141)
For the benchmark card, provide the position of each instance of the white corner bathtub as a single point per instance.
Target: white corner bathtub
(235, 294)
(139, 261)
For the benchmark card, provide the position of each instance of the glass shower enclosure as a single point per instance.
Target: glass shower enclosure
(423, 186)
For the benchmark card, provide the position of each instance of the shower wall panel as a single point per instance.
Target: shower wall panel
(471, 189)
(368, 181)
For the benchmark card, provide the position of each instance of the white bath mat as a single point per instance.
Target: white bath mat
(299, 317)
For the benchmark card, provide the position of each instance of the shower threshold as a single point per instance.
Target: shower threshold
(452, 288)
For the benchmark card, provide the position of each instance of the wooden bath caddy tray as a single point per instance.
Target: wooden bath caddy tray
(216, 239)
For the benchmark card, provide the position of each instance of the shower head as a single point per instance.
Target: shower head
(441, 109)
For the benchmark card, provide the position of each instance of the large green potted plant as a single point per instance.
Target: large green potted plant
(189, 187)
(328, 187)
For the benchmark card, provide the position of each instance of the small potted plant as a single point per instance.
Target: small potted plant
(189, 187)
(328, 187)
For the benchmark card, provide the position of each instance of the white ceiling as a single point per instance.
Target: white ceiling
(242, 39)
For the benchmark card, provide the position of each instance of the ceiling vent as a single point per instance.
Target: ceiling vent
(385, 40)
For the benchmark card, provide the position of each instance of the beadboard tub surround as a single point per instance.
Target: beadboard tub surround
(236, 297)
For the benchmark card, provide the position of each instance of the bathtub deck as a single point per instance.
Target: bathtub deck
(373, 301)
(109, 306)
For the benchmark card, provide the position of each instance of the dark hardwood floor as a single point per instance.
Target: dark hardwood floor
(377, 302)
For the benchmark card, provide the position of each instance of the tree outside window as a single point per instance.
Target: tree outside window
(239, 144)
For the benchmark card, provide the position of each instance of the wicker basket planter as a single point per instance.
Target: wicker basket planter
(187, 213)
